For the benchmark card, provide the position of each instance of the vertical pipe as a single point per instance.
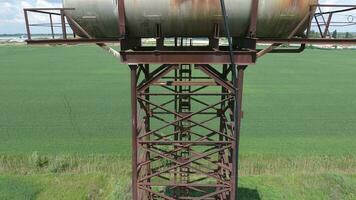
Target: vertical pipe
(175, 41)
(235, 159)
(235, 154)
(134, 130)
(27, 25)
(222, 122)
(51, 21)
(63, 20)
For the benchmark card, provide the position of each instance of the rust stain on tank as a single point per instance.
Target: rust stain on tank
(288, 9)
(200, 8)
(296, 5)
(203, 3)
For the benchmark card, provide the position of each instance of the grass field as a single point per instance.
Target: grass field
(65, 131)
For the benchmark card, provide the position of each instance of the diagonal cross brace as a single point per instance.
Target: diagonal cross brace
(187, 117)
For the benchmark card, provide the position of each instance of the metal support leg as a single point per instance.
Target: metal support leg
(134, 130)
(238, 103)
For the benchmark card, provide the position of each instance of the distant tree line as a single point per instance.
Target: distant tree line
(334, 34)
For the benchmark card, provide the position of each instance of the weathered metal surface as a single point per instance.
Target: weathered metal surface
(97, 17)
(159, 148)
(187, 18)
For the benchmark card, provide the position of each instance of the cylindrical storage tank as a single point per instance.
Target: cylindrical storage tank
(187, 18)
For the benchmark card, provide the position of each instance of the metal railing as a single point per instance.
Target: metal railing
(51, 12)
(324, 20)
(321, 20)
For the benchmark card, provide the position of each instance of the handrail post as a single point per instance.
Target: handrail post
(27, 25)
(63, 21)
(51, 21)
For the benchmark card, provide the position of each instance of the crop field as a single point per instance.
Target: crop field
(65, 125)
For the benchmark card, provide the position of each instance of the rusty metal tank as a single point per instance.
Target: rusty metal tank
(187, 18)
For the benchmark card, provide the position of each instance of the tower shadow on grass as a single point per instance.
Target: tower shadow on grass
(244, 193)
(248, 194)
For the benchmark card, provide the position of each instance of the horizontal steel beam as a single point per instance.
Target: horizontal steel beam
(37, 9)
(194, 143)
(71, 41)
(186, 83)
(259, 40)
(309, 41)
(193, 57)
(334, 5)
(184, 185)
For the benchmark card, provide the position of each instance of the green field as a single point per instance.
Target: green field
(65, 125)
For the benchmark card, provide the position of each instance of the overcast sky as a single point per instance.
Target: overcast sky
(11, 14)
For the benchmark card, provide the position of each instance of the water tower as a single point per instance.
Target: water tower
(187, 60)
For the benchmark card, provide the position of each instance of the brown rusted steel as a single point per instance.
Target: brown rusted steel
(170, 142)
(134, 123)
(186, 83)
(156, 77)
(239, 93)
(195, 94)
(165, 161)
(122, 18)
(310, 41)
(253, 19)
(193, 57)
(177, 184)
(70, 41)
(180, 164)
(216, 77)
(300, 49)
(205, 53)
(186, 117)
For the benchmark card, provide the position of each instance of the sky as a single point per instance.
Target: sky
(12, 20)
